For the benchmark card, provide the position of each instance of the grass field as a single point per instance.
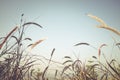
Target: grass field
(17, 64)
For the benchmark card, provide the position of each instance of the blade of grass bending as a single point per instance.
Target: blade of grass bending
(28, 39)
(65, 68)
(110, 28)
(15, 38)
(81, 44)
(67, 61)
(28, 23)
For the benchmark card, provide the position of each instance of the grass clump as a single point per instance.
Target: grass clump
(14, 65)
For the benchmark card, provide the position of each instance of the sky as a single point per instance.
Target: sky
(65, 23)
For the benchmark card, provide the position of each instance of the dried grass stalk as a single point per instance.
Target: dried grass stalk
(36, 43)
(104, 25)
(97, 19)
(110, 28)
(99, 50)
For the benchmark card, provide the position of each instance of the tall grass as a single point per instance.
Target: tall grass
(94, 69)
(16, 64)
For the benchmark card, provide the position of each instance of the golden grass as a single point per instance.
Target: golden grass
(37, 42)
(104, 25)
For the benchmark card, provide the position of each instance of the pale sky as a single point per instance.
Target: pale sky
(65, 24)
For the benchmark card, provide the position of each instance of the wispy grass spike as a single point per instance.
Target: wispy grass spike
(81, 44)
(28, 39)
(104, 25)
(29, 23)
(36, 43)
(110, 28)
(52, 52)
(97, 19)
(99, 50)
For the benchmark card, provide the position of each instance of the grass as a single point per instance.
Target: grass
(16, 64)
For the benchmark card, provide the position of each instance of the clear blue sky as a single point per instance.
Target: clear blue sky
(65, 23)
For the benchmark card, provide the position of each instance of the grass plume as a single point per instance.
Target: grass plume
(104, 25)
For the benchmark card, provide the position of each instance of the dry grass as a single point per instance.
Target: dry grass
(36, 43)
(104, 25)
(16, 66)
